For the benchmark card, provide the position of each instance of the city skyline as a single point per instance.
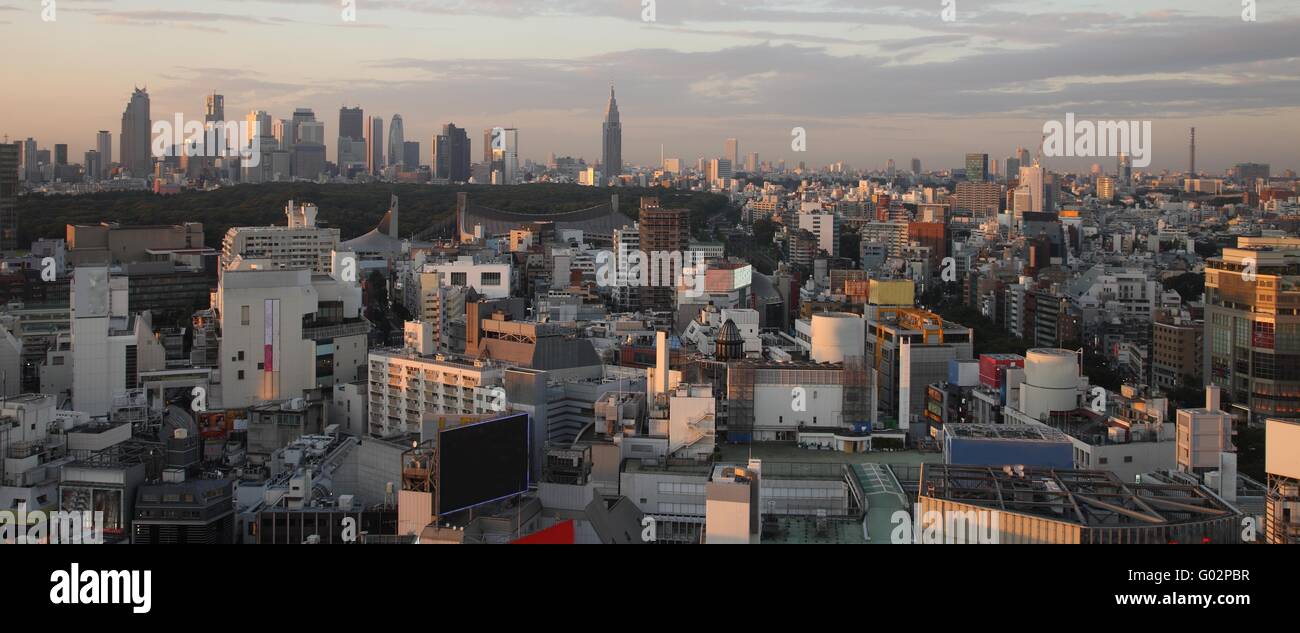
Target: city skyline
(920, 88)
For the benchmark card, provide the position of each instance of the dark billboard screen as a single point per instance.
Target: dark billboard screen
(482, 462)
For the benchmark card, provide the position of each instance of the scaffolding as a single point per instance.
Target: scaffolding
(1281, 507)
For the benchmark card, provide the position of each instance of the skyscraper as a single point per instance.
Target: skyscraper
(509, 150)
(977, 167)
(259, 128)
(215, 108)
(732, 152)
(134, 139)
(8, 196)
(396, 142)
(612, 140)
(451, 151)
(411, 155)
(1013, 167)
(300, 116)
(93, 164)
(375, 145)
(916, 166)
(31, 164)
(104, 145)
(352, 125)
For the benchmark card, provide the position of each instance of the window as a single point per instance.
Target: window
(241, 355)
(459, 279)
(1128, 459)
(241, 374)
(490, 279)
(243, 315)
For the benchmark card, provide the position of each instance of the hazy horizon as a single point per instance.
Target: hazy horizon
(870, 80)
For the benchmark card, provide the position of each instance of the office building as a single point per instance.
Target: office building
(977, 167)
(451, 152)
(104, 145)
(1250, 328)
(374, 145)
(732, 152)
(909, 349)
(111, 243)
(135, 136)
(611, 162)
(396, 142)
(280, 327)
(411, 155)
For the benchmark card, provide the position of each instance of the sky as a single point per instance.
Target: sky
(868, 80)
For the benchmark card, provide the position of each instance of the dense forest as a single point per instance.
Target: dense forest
(353, 209)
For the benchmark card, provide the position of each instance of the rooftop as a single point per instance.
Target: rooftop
(1025, 432)
(1088, 498)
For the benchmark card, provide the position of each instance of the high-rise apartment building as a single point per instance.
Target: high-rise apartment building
(1105, 188)
(663, 231)
(732, 152)
(983, 199)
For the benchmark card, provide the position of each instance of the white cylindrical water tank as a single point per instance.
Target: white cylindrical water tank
(1051, 382)
(836, 335)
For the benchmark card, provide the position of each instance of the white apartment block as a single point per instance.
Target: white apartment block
(300, 244)
(490, 279)
(404, 387)
(110, 346)
(826, 227)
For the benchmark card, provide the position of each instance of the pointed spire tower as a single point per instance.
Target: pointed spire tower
(612, 140)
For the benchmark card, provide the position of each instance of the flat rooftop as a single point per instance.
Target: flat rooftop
(1023, 432)
(807, 530)
(779, 452)
(1089, 498)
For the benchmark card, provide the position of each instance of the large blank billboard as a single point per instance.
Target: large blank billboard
(1282, 448)
(482, 462)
